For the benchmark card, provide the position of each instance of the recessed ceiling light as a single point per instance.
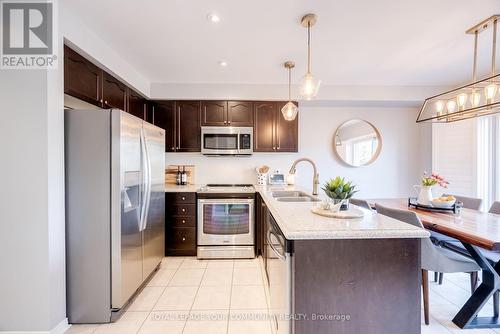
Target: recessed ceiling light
(212, 17)
(223, 63)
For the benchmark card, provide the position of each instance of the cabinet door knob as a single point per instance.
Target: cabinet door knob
(228, 122)
(225, 122)
(105, 102)
(183, 198)
(183, 221)
(278, 147)
(183, 238)
(183, 210)
(173, 148)
(274, 148)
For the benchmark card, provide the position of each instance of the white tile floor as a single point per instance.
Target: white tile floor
(191, 296)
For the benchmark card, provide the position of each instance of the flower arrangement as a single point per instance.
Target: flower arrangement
(339, 189)
(433, 179)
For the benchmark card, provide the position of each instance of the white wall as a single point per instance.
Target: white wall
(392, 175)
(454, 155)
(32, 278)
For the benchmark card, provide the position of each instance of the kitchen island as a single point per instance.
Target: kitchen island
(340, 276)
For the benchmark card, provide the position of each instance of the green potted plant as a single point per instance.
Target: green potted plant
(339, 190)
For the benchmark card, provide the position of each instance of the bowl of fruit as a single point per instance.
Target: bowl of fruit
(444, 202)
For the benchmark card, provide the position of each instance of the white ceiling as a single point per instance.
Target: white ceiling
(355, 42)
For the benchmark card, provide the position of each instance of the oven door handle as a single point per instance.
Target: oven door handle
(269, 242)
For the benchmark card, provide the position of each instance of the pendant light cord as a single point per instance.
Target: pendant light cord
(289, 84)
(494, 52)
(309, 47)
(474, 68)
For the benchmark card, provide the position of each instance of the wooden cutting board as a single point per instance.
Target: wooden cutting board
(171, 173)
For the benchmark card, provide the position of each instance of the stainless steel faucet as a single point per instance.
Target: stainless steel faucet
(293, 169)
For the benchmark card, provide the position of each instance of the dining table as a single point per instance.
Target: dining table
(477, 231)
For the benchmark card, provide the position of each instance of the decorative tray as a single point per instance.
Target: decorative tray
(455, 208)
(347, 214)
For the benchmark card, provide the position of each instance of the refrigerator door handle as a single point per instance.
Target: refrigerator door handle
(144, 183)
(148, 185)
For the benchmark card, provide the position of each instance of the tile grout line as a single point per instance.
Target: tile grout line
(194, 299)
(164, 289)
(230, 298)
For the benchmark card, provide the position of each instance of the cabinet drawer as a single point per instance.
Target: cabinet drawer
(181, 238)
(184, 210)
(179, 198)
(183, 221)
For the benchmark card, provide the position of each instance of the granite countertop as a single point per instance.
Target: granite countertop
(297, 222)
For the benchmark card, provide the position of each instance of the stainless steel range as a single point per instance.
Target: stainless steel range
(226, 227)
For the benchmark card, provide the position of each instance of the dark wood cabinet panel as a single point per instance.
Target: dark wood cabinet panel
(114, 93)
(182, 210)
(261, 213)
(180, 224)
(287, 137)
(163, 115)
(264, 126)
(136, 104)
(240, 113)
(213, 113)
(183, 221)
(188, 126)
(181, 241)
(183, 198)
(82, 79)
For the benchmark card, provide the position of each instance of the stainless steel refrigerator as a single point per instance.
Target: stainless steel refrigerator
(115, 210)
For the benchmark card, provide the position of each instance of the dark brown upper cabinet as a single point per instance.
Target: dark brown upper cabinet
(240, 113)
(287, 132)
(82, 79)
(136, 104)
(214, 113)
(163, 115)
(264, 127)
(272, 133)
(114, 93)
(188, 119)
(224, 113)
(181, 121)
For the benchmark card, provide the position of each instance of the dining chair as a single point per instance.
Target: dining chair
(495, 208)
(433, 258)
(361, 203)
(439, 238)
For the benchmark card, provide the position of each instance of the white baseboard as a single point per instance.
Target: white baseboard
(62, 327)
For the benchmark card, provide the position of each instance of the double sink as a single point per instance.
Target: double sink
(293, 196)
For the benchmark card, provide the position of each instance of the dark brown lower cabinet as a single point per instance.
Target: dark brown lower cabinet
(261, 212)
(357, 286)
(180, 221)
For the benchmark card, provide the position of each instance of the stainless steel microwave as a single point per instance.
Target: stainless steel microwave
(226, 140)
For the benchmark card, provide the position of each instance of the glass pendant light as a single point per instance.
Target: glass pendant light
(289, 110)
(309, 85)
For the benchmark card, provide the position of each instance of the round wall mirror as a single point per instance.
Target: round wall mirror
(357, 142)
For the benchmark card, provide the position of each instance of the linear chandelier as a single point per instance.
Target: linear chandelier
(479, 98)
